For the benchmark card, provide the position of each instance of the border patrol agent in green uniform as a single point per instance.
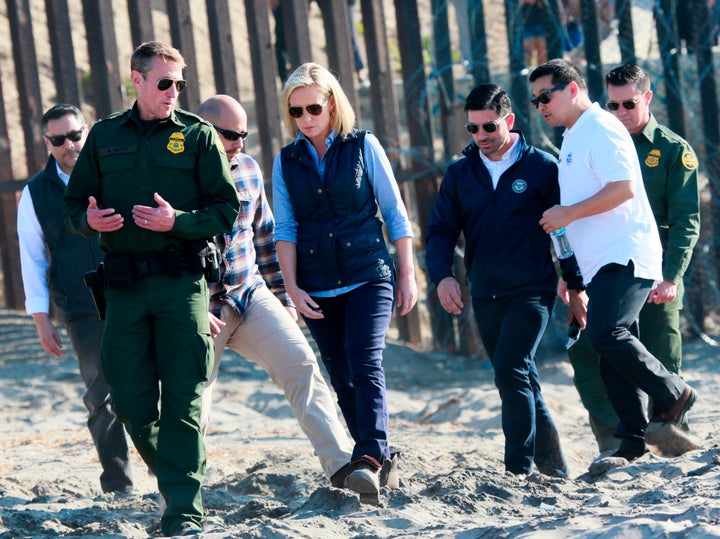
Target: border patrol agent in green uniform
(669, 170)
(151, 180)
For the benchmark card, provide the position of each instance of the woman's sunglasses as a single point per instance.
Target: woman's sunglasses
(544, 97)
(59, 140)
(231, 135)
(488, 127)
(627, 105)
(314, 110)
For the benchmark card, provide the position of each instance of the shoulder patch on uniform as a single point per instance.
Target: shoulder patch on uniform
(653, 158)
(689, 160)
(176, 143)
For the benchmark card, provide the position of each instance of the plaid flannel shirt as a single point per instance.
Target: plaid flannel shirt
(249, 251)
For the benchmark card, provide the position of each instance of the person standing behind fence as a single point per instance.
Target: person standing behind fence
(251, 311)
(611, 228)
(53, 261)
(534, 14)
(327, 187)
(152, 180)
(495, 196)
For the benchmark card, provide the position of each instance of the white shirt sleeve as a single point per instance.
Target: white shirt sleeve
(34, 261)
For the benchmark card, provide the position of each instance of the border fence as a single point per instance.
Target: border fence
(422, 57)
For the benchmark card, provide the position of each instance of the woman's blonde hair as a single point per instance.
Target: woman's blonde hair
(342, 118)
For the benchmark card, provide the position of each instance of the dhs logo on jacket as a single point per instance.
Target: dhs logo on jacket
(519, 186)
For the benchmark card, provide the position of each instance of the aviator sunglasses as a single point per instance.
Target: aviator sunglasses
(230, 134)
(544, 97)
(164, 84)
(488, 127)
(59, 140)
(315, 110)
(627, 105)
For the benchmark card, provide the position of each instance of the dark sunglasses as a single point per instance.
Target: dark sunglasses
(315, 110)
(488, 127)
(544, 97)
(627, 105)
(59, 140)
(231, 135)
(164, 84)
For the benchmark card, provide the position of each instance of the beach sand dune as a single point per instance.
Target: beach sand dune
(264, 481)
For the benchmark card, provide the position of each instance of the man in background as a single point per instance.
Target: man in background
(53, 261)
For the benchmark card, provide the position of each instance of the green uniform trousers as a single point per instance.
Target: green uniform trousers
(660, 333)
(157, 335)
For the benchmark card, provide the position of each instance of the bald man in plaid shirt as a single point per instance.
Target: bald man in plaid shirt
(251, 313)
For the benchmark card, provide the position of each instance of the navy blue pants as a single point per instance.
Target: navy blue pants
(351, 339)
(628, 370)
(511, 329)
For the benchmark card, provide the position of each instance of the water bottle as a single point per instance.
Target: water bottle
(563, 249)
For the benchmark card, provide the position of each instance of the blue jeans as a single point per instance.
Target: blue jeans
(351, 339)
(628, 370)
(511, 329)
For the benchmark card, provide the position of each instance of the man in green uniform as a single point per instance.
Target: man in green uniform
(152, 180)
(669, 170)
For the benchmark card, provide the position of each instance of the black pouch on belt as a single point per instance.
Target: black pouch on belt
(95, 281)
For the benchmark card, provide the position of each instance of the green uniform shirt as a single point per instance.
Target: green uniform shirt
(123, 165)
(669, 171)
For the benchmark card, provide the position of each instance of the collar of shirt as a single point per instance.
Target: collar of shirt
(319, 164)
(649, 130)
(64, 177)
(497, 168)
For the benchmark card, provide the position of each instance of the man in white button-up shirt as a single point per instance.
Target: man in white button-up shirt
(53, 261)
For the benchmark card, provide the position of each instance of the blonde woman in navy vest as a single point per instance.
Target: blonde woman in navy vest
(328, 185)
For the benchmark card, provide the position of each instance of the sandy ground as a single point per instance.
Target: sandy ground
(264, 481)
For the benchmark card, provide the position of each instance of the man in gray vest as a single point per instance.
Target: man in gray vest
(59, 277)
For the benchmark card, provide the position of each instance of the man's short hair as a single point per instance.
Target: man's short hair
(489, 97)
(561, 71)
(629, 74)
(142, 56)
(58, 111)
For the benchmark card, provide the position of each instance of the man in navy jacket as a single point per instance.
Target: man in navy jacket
(495, 196)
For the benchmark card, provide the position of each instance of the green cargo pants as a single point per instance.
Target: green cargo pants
(157, 335)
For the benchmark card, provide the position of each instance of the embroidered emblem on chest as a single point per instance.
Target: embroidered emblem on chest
(519, 186)
(176, 143)
(653, 158)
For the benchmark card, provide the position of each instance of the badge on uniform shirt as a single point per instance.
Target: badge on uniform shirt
(176, 144)
(518, 186)
(689, 160)
(653, 158)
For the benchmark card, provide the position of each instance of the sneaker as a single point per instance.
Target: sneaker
(676, 413)
(365, 479)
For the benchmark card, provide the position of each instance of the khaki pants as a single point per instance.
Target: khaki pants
(269, 337)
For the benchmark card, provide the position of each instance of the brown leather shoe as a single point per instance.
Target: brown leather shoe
(676, 413)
